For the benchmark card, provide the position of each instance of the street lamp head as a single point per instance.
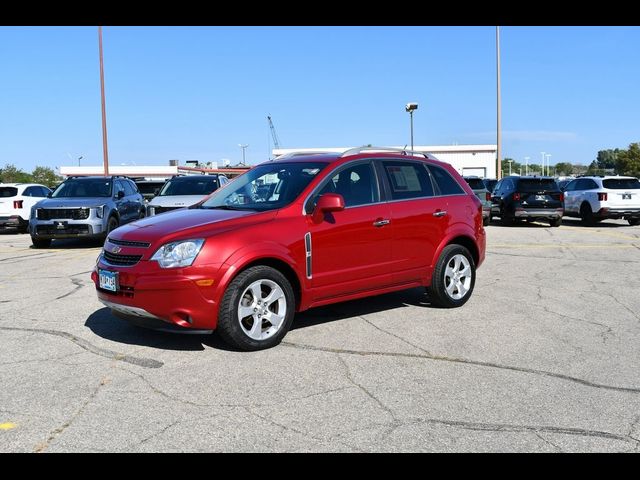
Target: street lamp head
(410, 107)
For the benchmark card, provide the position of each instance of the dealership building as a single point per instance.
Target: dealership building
(477, 160)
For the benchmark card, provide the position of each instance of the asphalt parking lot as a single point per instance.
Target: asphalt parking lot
(543, 358)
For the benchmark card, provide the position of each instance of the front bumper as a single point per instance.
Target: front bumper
(172, 296)
(65, 229)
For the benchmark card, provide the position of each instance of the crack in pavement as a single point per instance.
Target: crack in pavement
(464, 361)
(78, 285)
(37, 360)
(27, 256)
(607, 261)
(88, 346)
(635, 315)
(549, 442)
(404, 340)
(58, 431)
(504, 427)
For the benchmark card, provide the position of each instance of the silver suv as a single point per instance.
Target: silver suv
(595, 198)
(85, 207)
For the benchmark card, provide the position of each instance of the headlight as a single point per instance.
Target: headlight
(100, 211)
(178, 254)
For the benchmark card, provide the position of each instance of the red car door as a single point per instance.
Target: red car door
(351, 249)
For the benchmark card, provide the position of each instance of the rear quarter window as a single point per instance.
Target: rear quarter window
(6, 192)
(621, 183)
(445, 182)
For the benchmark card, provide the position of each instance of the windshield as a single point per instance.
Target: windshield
(190, 186)
(621, 183)
(265, 187)
(475, 183)
(149, 188)
(84, 187)
(537, 185)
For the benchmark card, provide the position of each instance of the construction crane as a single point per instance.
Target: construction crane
(276, 141)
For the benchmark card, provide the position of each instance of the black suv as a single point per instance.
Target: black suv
(528, 198)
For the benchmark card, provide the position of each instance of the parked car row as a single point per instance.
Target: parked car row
(590, 198)
(92, 206)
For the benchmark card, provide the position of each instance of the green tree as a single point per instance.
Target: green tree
(12, 174)
(607, 158)
(564, 168)
(628, 161)
(593, 168)
(45, 176)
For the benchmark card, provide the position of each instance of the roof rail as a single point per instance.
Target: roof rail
(357, 150)
(303, 152)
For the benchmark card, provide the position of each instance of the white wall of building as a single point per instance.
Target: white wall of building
(128, 170)
(477, 160)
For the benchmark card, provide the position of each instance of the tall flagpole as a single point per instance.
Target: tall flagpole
(104, 113)
(499, 159)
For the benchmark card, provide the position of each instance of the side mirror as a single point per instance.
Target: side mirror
(329, 202)
(120, 194)
(49, 194)
(156, 192)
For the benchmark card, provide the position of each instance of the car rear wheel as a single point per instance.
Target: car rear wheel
(633, 221)
(555, 222)
(257, 309)
(453, 278)
(586, 214)
(41, 242)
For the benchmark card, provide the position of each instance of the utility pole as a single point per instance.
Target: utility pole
(499, 152)
(104, 113)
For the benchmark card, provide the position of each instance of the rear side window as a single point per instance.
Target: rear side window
(445, 182)
(537, 185)
(408, 180)
(621, 183)
(475, 183)
(8, 192)
(129, 189)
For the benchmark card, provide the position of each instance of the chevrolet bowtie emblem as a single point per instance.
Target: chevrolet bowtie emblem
(116, 249)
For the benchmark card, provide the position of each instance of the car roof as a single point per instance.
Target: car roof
(324, 157)
(22, 185)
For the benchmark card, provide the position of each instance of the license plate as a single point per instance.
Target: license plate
(108, 280)
(541, 197)
(626, 196)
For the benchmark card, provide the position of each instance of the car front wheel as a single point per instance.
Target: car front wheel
(41, 242)
(633, 221)
(453, 278)
(257, 309)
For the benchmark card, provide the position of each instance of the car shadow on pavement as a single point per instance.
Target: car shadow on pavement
(355, 308)
(107, 326)
(75, 243)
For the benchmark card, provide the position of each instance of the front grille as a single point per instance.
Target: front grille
(158, 210)
(62, 213)
(121, 260)
(129, 243)
(67, 230)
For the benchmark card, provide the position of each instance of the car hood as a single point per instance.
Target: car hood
(195, 222)
(175, 200)
(73, 202)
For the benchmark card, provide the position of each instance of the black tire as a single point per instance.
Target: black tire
(141, 214)
(438, 289)
(486, 221)
(230, 328)
(586, 214)
(633, 221)
(40, 242)
(555, 222)
(112, 224)
(506, 221)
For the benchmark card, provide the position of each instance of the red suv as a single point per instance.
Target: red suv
(302, 231)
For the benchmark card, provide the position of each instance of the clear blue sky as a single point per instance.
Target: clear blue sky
(197, 92)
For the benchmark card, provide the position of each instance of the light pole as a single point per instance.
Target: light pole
(542, 153)
(526, 165)
(80, 158)
(410, 107)
(498, 105)
(548, 164)
(104, 113)
(510, 162)
(243, 147)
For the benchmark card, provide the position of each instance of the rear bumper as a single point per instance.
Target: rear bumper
(606, 212)
(538, 212)
(13, 221)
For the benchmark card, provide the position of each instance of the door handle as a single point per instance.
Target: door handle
(440, 213)
(381, 223)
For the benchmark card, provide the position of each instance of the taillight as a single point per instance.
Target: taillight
(602, 196)
(17, 203)
(516, 196)
(487, 196)
(562, 197)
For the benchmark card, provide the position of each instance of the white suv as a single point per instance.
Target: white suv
(16, 200)
(596, 198)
